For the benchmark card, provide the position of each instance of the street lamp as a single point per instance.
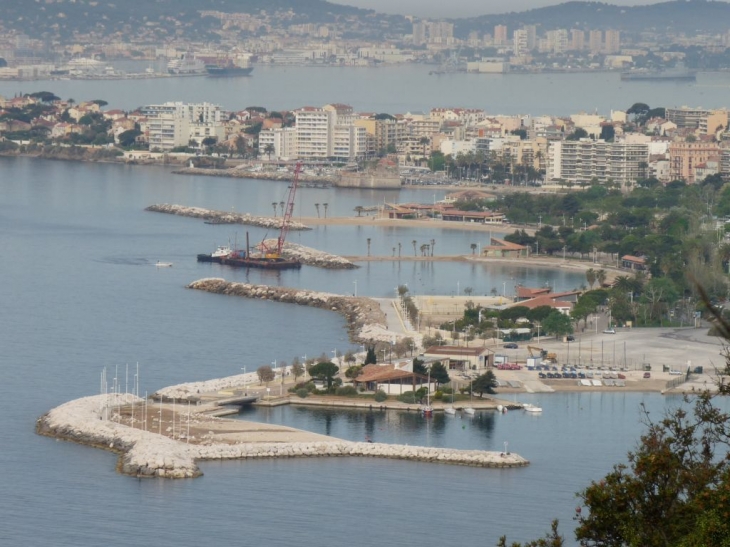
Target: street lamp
(504, 288)
(457, 288)
(355, 282)
(244, 379)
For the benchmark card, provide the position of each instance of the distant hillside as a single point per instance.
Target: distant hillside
(64, 18)
(679, 16)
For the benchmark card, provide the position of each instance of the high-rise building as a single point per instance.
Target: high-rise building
(613, 41)
(175, 124)
(500, 35)
(419, 33)
(595, 41)
(557, 40)
(531, 36)
(577, 40)
(519, 43)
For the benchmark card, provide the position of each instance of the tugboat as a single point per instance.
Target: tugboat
(221, 252)
(271, 257)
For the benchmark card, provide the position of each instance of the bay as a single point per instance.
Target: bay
(397, 89)
(80, 292)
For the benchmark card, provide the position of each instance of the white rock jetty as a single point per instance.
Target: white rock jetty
(365, 319)
(148, 454)
(224, 217)
(310, 256)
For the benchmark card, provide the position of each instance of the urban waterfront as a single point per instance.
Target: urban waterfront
(81, 292)
(390, 89)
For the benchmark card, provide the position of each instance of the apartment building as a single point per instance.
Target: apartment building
(174, 124)
(500, 35)
(315, 129)
(686, 117)
(713, 121)
(586, 159)
(577, 40)
(283, 141)
(519, 43)
(685, 157)
(613, 42)
(725, 164)
(595, 41)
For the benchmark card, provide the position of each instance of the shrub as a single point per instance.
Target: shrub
(438, 395)
(302, 392)
(408, 397)
(380, 396)
(346, 391)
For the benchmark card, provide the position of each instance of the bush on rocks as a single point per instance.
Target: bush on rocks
(302, 392)
(380, 396)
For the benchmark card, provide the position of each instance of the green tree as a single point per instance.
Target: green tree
(439, 373)
(485, 383)
(558, 324)
(672, 490)
(370, 357)
(297, 369)
(418, 366)
(325, 371)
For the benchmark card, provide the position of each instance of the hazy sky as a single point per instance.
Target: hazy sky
(463, 8)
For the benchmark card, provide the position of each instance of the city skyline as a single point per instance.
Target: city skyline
(468, 8)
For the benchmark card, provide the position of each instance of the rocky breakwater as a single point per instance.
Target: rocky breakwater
(224, 217)
(365, 320)
(312, 257)
(147, 454)
(143, 453)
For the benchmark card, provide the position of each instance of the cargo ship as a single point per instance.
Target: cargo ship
(186, 66)
(227, 69)
(678, 73)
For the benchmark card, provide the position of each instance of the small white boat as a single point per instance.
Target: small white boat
(469, 410)
(527, 407)
(163, 264)
(499, 408)
(450, 410)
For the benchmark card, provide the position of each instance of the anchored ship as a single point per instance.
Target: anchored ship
(228, 68)
(186, 66)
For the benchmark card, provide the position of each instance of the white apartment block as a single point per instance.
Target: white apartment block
(586, 159)
(315, 131)
(519, 43)
(686, 116)
(350, 142)
(283, 140)
(175, 124)
(556, 41)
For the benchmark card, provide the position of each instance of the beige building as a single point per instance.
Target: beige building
(586, 159)
(685, 157)
(500, 35)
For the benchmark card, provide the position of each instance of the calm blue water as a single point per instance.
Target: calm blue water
(80, 292)
(391, 89)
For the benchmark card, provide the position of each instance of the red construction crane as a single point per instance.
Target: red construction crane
(286, 220)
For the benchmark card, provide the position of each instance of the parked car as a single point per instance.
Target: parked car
(543, 375)
(570, 338)
(647, 375)
(609, 331)
(510, 345)
(675, 372)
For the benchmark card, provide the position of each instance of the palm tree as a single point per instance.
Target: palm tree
(433, 244)
(273, 204)
(269, 149)
(281, 204)
(601, 277)
(414, 247)
(473, 248)
(393, 252)
(368, 246)
(399, 249)
(316, 206)
(591, 276)
(325, 205)
(359, 209)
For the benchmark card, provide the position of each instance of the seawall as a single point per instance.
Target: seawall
(148, 454)
(365, 320)
(224, 217)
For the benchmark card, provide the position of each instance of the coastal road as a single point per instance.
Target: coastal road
(392, 318)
